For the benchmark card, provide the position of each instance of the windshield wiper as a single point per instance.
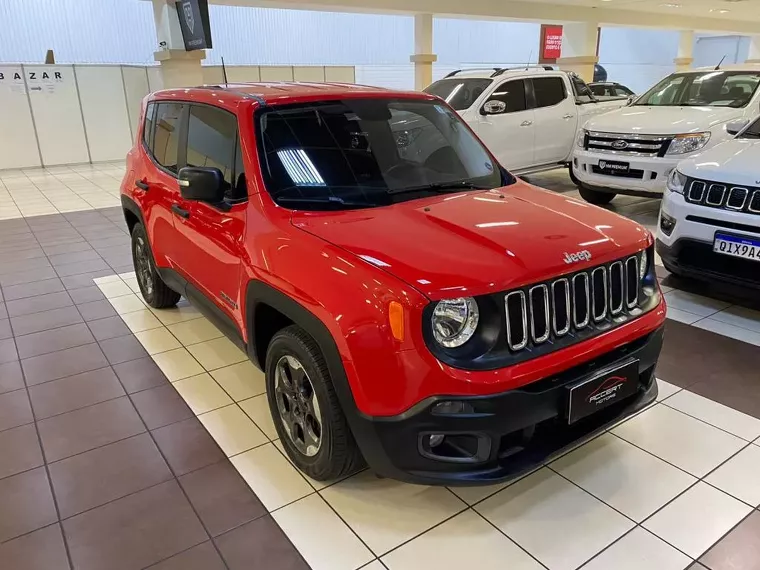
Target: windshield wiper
(331, 200)
(440, 187)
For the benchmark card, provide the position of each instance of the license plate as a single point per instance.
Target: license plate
(737, 246)
(614, 167)
(603, 389)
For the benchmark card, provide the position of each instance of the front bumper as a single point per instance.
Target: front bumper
(510, 432)
(651, 174)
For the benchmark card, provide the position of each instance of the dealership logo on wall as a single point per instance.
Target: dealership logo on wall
(187, 10)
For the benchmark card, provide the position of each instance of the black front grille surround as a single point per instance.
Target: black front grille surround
(724, 196)
(540, 318)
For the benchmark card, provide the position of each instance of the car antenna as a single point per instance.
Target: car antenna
(224, 72)
(717, 67)
(530, 56)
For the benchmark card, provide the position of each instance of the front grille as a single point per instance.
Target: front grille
(597, 298)
(725, 196)
(627, 144)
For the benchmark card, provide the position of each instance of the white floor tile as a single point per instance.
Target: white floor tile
(232, 430)
(317, 485)
(157, 340)
(639, 550)
(386, 513)
(241, 381)
(142, 320)
(202, 393)
(258, 410)
(274, 480)
(177, 364)
(666, 389)
(325, 542)
(679, 439)
(697, 519)
(125, 303)
(623, 476)
(729, 330)
(740, 476)
(740, 317)
(195, 331)
(177, 314)
(696, 304)
(374, 565)
(217, 353)
(682, 316)
(115, 289)
(107, 279)
(466, 541)
(472, 495)
(555, 521)
(716, 414)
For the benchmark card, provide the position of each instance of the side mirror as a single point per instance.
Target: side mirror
(493, 107)
(631, 99)
(734, 127)
(201, 184)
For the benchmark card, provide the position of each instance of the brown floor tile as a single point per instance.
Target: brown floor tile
(96, 310)
(74, 392)
(5, 329)
(55, 365)
(22, 277)
(8, 351)
(19, 265)
(111, 242)
(140, 374)
(33, 289)
(81, 267)
(112, 327)
(739, 549)
(84, 279)
(161, 406)
(88, 428)
(259, 544)
(53, 250)
(187, 446)
(70, 336)
(3, 311)
(14, 409)
(696, 566)
(123, 267)
(38, 304)
(86, 295)
(40, 550)
(221, 497)
(46, 320)
(26, 504)
(122, 349)
(135, 531)
(11, 377)
(99, 476)
(201, 557)
(19, 451)
(73, 257)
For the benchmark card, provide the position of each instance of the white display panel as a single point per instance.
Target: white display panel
(243, 73)
(276, 73)
(340, 74)
(135, 88)
(18, 145)
(313, 73)
(104, 108)
(155, 81)
(57, 114)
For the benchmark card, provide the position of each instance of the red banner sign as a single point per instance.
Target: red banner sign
(551, 43)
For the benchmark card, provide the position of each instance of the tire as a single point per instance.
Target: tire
(155, 292)
(595, 196)
(337, 454)
(573, 177)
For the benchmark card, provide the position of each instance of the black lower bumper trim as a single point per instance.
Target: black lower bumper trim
(507, 434)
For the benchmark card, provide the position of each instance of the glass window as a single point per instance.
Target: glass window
(148, 126)
(582, 91)
(549, 91)
(599, 90)
(460, 93)
(706, 88)
(361, 153)
(752, 132)
(166, 137)
(512, 93)
(621, 91)
(240, 187)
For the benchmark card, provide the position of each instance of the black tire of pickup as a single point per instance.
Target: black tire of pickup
(338, 454)
(156, 293)
(595, 196)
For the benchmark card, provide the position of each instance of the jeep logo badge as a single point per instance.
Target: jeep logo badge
(584, 255)
(620, 145)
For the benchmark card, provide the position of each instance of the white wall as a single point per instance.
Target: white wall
(709, 50)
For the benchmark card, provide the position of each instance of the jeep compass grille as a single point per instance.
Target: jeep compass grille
(599, 298)
(724, 196)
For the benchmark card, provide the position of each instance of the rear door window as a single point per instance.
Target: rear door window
(166, 135)
(549, 91)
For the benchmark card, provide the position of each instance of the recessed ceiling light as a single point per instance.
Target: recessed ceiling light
(720, 10)
(669, 5)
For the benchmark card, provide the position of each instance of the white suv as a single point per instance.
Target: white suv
(633, 150)
(709, 224)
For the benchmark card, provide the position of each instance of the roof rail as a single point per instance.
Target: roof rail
(522, 67)
(453, 73)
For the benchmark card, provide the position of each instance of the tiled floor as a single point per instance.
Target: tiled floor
(134, 438)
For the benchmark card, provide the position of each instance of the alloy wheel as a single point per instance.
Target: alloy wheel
(143, 267)
(298, 405)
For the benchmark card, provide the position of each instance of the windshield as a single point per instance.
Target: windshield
(460, 93)
(708, 88)
(751, 132)
(362, 153)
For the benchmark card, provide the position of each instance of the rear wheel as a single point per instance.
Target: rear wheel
(595, 196)
(155, 292)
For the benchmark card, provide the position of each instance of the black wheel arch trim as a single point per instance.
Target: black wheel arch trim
(129, 205)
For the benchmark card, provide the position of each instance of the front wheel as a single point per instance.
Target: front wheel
(305, 407)
(595, 196)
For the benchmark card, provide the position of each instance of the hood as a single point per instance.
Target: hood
(662, 120)
(733, 162)
(479, 242)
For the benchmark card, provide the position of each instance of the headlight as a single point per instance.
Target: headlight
(683, 144)
(676, 182)
(643, 262)
(455, 321)
(581, 140)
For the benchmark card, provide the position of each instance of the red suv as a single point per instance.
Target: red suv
(412, 304)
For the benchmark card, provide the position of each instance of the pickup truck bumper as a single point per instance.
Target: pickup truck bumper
(645, 176)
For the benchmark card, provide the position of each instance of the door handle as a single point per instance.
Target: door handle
(568, 116)
(180, 212)
(526, 123)
(141, 185)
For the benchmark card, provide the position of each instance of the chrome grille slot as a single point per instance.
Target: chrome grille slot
(581, 304)
(617, 288)
(632, 282)
(561, 307)
(599, 294)
(517, 320)
(737, 197)
(539, 313)
(697, 191)
(754, 205)
(715, 195)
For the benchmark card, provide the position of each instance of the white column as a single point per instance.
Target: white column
(423, 57)
(754, 50)
(579, 49)
(179, 68)
(685, 56)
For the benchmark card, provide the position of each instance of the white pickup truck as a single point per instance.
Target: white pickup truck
(634, 150)
(528, 117)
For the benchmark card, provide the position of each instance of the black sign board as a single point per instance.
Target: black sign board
(193, 19)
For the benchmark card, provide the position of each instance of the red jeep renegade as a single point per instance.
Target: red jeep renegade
(412, 304)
